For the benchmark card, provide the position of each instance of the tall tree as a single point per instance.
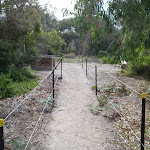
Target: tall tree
(68, 32)
(134, 18)
(20, 24)
(87, 14)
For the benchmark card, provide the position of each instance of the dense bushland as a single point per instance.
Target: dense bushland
(27, 31)
(122, 32)
(16, 81)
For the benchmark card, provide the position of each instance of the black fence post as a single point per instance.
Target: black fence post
(1, 134)
(53, 84)
(96, 79)
(86, 66)
(143, 120)
(82, 61)
(61, 68)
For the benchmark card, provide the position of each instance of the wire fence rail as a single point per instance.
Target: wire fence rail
(49, 99)
(143, 97)
(3, 121)
(140, 140)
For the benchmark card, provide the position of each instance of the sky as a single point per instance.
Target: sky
(58, 5)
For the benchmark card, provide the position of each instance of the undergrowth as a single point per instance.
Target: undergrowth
(102, 101)
(139, 69)
(131, 112)
(18, 145)
(16, 81)
(111, 88)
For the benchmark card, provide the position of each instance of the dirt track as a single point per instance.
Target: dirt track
(72, 125)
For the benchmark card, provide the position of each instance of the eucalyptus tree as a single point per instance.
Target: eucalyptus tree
(134, 18)
(69, 33)
(87, 14)
(20, 25)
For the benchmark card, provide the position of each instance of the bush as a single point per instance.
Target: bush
(102, 54)
(60, 54)
(71, 55)
(109, 60)
(20, 73)
(113, 60)
(140, 68)
(6, 88)
(18, 145)
(16, 82)
(105, 60)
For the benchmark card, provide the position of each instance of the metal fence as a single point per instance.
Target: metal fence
(85, 61)
(54, 82)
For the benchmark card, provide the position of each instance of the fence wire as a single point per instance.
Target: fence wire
(124, 84)
(122, 117)
(31, 92)
(124, 120)
(120, 81)
(40, 117)
(27, 96)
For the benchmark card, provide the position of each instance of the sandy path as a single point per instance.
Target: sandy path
(73, 126)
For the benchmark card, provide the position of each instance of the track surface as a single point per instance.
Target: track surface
(73, 126)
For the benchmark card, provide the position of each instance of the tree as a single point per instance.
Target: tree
(50, 43)
(56, 42)
(18, 32)
(134, 18)
(48, 20)
(87, 14)
(68, 33)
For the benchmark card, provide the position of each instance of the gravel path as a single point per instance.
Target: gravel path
(72, 125)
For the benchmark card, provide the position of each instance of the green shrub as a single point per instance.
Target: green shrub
(24, 87)
(105, 60)
(6, 88)
(60, 54)
(102, 101)
(18, 145)
(71, 55)
(20, 73)
(113, 60)
(139, 68)
(18, 81)
(93, 87)
(102, 54)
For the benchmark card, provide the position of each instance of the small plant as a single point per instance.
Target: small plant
(102, 101)
(148, 91)
(18, 145)
(93, 87)
(47, 100)
(108, 88)
(105, 60)
(60, 54)
(111, 88)
(94, 109)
